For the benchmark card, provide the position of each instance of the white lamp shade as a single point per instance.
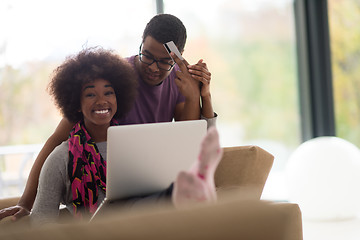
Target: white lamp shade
(323, 177)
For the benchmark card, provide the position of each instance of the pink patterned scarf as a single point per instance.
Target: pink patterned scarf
(86, 169)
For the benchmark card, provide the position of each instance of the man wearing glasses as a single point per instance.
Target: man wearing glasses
(166, 92)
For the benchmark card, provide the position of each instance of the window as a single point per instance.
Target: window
(250, 49)
(35, 37)
(344, 17)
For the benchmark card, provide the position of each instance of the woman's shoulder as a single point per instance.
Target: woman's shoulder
(60, 155)
(61, 149)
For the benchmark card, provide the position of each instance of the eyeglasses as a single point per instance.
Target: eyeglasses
(161, 64)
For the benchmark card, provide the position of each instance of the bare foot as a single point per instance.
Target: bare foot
(198, 184)
(188, 190)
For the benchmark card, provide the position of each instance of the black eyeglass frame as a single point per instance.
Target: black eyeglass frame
(154, 60)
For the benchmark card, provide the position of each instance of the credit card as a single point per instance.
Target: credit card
(171, 47)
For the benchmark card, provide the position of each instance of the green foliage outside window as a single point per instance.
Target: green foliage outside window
(344, 19)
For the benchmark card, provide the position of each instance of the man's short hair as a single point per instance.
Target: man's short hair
(166, 27)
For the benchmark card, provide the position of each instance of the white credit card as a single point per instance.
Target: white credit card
(171, 47)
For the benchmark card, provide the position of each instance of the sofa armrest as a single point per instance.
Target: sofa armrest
(293, 213)
(238, 219)
(8, 202)
(244, 168)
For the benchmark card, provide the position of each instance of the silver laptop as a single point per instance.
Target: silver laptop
(146, 158)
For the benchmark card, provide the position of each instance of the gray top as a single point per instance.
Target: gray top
(55, 187)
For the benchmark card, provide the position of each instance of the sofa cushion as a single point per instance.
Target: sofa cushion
(245, 169)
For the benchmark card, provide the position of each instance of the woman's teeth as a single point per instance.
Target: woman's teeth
(101, 111)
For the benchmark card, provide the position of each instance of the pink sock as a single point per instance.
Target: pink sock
(197, 185)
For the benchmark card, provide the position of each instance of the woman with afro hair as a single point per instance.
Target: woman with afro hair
(92, 89)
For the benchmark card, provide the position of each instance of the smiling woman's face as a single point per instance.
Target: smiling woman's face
(98, 103)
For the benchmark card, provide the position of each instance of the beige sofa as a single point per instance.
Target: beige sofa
(238, 214)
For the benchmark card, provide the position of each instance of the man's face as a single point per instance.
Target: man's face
(152, 74)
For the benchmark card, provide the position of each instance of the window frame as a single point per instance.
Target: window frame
(314, 69)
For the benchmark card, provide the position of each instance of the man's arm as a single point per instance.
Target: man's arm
(28, 197)
(189, 88)
(201, 73)
(61, 134)
(207, 109)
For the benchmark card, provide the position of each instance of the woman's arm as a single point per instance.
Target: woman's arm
(28, 197)
(52, 188)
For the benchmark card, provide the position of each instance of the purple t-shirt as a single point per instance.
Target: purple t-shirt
(154, 103)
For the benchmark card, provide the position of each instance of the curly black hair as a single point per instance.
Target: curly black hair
(88, 65)
(166, 27)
